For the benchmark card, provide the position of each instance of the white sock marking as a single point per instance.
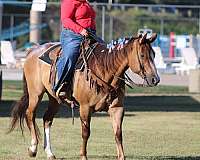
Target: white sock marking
(47, 142)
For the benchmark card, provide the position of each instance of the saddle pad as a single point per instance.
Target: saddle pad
(46, 57)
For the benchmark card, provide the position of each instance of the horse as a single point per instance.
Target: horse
(100, 87)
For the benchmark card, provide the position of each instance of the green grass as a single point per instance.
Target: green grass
(154, 135)
(11, 84)
(155, 128)
(159, 90)
(12, 90)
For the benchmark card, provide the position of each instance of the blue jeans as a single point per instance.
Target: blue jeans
(70, 43)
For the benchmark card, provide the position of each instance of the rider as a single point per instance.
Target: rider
(77, 18)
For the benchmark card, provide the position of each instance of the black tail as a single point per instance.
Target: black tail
(18, 113)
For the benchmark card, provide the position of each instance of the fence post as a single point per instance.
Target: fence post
(199, 21)
(12, 27)
(35, 21)
(191, 41)
(1, 16)
(194, 81)
(111, 28)
(1, 84)
(161, 26)
(1, 81)
(103, 23)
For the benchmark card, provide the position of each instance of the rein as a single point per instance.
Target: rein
(142, 68)
(128, 81)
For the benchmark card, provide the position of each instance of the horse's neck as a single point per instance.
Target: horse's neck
(111, 65)
(121, 65)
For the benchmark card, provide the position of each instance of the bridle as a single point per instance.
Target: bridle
(129, 82)
(142, 69)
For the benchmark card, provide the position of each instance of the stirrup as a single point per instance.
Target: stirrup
(63, 94)
(59, 92)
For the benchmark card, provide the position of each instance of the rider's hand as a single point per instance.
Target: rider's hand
(84, 32)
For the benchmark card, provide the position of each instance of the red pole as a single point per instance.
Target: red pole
(1, 83)
(172, 45)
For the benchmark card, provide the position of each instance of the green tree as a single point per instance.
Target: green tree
(178, 2)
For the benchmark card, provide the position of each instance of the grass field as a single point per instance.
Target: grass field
(12, 90)
(155, 128)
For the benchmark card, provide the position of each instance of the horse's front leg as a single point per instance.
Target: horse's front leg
(85, 118)
(116, 115)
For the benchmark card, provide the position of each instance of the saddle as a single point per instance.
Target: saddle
(53, 52)
(50, 56)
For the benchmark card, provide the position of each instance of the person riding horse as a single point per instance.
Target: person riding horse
(78, 18)
(99, 87)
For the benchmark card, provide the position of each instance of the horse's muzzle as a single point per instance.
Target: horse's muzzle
(152, 80)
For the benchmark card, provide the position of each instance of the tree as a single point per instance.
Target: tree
(172, 2)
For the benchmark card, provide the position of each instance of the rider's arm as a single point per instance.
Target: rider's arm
(67, 14)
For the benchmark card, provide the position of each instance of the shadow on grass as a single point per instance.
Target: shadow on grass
(132, 104)
(162, 104)
(64, 111)
(164, 157)
(137, 157)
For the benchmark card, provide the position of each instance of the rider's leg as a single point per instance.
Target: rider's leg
(70, 43)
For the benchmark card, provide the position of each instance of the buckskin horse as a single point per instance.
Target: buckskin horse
(102, 89)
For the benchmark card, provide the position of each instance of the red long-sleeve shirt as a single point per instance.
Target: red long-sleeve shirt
(77, 15)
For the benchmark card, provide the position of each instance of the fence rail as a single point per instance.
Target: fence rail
(113, 4)
(113, 21)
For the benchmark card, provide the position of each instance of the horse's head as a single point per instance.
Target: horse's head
(141, 59)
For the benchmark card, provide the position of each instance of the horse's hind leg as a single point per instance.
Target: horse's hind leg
(53, 107)
(116, 115)
(34, 100)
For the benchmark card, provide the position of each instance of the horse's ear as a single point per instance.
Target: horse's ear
(143, 38)
(140, 36)
(153, 38)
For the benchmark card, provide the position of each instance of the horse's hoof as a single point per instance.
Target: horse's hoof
(83, 158)
(121, 158)
(31, 154)
(52, 158)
